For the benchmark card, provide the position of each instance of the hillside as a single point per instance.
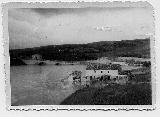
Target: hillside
(129, 94)
(90, 51)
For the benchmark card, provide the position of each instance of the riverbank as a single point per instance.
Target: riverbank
(138, 91)
(130, 94)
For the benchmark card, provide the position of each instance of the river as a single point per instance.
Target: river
(41, 85)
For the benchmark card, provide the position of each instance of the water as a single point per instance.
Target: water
(41, 85)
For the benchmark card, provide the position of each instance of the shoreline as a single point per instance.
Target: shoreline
(130, 94)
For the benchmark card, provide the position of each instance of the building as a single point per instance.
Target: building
(103, 72)
(36, 57)
(98, 72)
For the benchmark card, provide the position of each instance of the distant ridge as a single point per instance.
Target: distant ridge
(90, 51)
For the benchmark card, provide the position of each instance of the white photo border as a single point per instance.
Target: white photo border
(5, 8)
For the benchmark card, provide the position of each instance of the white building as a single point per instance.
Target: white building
(36, 57)
(98, 72)
(103, 72)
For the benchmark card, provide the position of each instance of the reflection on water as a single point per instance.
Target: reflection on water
(41, 85)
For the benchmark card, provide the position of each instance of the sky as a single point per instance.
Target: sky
(34, 27)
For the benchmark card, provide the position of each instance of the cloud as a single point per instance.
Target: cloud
(149, 34)
(37, 27)
(50, 12)
(60, 11)
(24, 29)
(103, 28)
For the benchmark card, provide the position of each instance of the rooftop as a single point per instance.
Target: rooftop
(94, 66)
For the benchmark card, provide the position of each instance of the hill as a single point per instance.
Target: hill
(130, 94)
(16, 62)
(90, 51)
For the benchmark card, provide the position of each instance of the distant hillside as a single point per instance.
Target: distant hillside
(90, 51)
(16, 62)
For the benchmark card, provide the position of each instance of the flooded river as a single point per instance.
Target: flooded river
(41, 85)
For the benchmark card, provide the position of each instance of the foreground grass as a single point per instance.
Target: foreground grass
(130, 94)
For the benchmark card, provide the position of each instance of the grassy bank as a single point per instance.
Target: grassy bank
(130, 94)
(137, 92)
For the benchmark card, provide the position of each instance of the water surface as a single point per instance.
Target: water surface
(41, 85)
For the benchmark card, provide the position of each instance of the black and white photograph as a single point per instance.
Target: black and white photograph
(81, 55)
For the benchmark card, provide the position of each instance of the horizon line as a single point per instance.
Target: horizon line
(79, 43)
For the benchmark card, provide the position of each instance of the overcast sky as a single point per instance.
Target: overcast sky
(49, 26)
